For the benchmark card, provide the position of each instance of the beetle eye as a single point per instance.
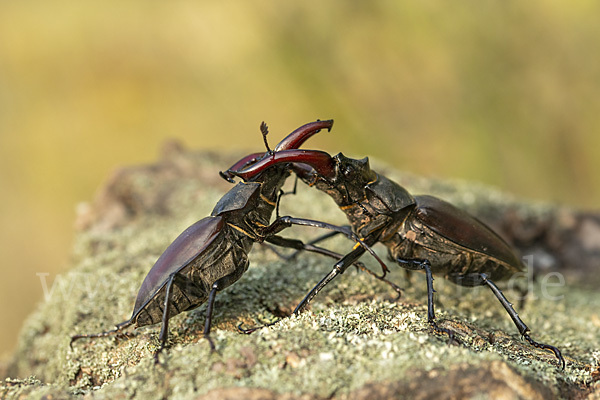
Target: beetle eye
(347, 170)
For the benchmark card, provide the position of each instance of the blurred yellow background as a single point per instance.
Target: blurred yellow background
(502, 92)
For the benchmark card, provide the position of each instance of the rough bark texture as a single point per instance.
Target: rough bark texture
(356, 341)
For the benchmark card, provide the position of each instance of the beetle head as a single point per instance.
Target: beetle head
(351, 177)
(352, 170)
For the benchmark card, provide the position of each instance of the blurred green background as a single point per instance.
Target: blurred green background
(501, 92)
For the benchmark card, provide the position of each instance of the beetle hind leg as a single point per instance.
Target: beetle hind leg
(164, 329)
(118, 329)
(523, 329)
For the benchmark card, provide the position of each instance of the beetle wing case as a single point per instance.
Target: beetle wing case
(189, 245)
(465, 230)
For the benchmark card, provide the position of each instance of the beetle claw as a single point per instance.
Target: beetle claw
(157, 360)
(553, 349)
(452, 339)
(213, 348)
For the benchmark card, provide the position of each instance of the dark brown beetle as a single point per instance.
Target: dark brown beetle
(212, 254)
(420, 232)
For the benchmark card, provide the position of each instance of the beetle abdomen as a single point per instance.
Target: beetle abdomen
(457, 251)
(225, 258)
(186, 247)
(184, 296)
(463, 229)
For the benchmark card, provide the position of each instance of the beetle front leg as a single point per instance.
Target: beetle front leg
(305, 246)
(338, 269)
(344, 262)
(285, 222)
(282, 193)
(523, 329)
(299, 246)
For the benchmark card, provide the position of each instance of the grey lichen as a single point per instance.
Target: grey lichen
(356, 341)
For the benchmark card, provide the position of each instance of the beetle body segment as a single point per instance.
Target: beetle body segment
(421, 232)
(458, 246)
(237, 198)
(214, 248)
(212, 253)
(217, 251)
(412, 227)
(387, 197)
(187, 247)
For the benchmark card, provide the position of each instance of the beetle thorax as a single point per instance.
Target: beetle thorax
(259, 216)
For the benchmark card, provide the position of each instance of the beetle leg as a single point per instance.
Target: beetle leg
(282, 193)
(164, 329)
(285, 222)
(338, 269)
(314, 241)
(415, 264)
(209, 313)
(523, 329)
(341, 266)
(301, 246)
(254, 329)
(118, 329)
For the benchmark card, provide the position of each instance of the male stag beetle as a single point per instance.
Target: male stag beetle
(212, 254)
(420, 232)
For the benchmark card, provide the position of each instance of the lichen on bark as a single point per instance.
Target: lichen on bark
(356, 340)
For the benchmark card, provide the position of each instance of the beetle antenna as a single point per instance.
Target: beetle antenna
(264, 129)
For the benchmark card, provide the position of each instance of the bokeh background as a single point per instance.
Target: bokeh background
(502, 92)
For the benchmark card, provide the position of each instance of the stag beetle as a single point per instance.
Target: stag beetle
(420, 232)
(212, 254)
